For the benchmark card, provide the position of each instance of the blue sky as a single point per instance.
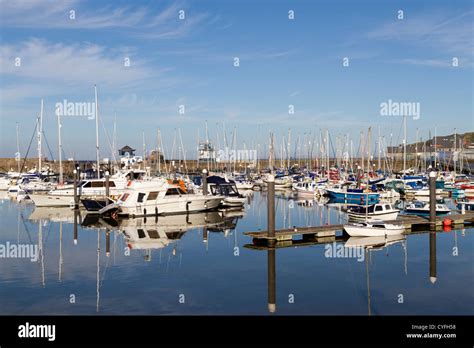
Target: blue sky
(190, 62)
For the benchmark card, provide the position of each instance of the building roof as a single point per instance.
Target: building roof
(126, 148)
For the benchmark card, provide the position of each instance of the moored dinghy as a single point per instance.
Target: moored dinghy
(373, 229)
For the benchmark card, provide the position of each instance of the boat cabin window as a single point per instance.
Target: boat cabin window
(378, 208)
(152, 196)
(124, 197)
(86, 184)
(388, 207)
(224, 190)
(378, 226)
(98, 183)
(141, 233)
(140, 197)
(174, 191)
(153, 234)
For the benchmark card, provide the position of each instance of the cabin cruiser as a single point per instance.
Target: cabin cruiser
(160, 196)
(373, 229)
(64, 195)
(423, 208)
(219, 186)
(379, 211)
(310, 188)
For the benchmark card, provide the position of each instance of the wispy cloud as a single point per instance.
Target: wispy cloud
(446, 33)
(437, 63)
(139, 21)
(53, 67)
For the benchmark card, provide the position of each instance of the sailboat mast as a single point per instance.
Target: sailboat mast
(404, 144)
(60, 149)
(289, 148)
(114, 147)
(18, 158)
(379, 150)
(435, 147)
(97, 132)
(454, 152)
(40, 135)
(327, 152)
(158, 151)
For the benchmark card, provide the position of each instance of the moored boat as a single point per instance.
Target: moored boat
(373, 229)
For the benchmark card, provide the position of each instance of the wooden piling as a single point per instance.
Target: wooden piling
(271, 264)
(76, 216)
(432, 257)
(76, 198)
(107, 184)
(204, 182)
(271, 209)
(107, 242)
(432, 187)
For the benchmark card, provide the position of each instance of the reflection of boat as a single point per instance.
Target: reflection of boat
(157, 233)
(374, 241)
(380, 211)
(56, 214)
(374, 228)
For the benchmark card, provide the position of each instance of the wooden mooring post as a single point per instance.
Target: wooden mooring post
(271, 209)
(432, 187)
(107, 184)
(76, 198)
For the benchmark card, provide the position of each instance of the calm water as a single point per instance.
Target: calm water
(179, 272)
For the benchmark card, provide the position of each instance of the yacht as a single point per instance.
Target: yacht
(160, 196)
(63, 195)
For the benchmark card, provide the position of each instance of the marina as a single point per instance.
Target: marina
(172, 166)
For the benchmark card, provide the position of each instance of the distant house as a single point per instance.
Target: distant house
(126, 151)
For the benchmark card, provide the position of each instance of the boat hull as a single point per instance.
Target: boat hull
(46, 200)
(176, 206)
(363, 231)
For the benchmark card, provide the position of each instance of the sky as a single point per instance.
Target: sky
(334, 62)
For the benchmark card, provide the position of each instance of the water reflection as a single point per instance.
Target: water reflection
(101, 261)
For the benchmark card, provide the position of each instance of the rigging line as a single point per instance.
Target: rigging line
(26, 227)
(108, 139)
(47, 233)
(29, 146)
(47, 144)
